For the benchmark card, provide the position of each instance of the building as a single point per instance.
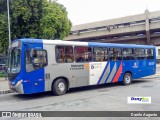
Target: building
(136, 29)
(158, 54)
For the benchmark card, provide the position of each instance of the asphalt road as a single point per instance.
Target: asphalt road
(109, 97)
(105, 97)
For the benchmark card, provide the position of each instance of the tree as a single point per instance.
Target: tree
(3, 25)
(33, 19)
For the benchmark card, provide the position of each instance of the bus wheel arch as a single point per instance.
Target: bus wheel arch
(127, 78)
(60, 85)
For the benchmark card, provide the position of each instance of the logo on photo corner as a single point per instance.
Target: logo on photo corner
(139, 100)
(6, 114)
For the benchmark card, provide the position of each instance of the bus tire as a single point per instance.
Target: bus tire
(127, 79)
(59, 87)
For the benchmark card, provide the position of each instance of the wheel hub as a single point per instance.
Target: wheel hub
(61, 87)
(127, 79)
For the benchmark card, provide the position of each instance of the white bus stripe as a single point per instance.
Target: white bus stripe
(106, 74)
(112, 74)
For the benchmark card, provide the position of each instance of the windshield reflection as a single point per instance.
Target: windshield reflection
(15, 61)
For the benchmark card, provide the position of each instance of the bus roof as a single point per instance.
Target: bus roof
(77, 43)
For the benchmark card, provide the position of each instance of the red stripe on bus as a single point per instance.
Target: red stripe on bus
(118, 74)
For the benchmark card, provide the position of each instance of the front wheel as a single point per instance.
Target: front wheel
(127, 79)
(59, 87)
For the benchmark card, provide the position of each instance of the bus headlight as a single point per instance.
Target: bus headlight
(18, 83)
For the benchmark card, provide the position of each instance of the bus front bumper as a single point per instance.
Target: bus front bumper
(17, 88)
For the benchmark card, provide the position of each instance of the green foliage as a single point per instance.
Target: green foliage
(3, 74)
(3, 32)
(33, 19)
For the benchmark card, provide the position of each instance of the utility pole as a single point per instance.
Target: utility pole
(9, 31)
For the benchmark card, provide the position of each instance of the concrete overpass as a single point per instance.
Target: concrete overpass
(136, 29)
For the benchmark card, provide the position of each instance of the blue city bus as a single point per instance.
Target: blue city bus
(37, 65)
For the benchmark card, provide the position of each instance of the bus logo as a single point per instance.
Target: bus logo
(92, 67)
(135, 65)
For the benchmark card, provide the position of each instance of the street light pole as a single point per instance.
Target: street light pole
(9, 31)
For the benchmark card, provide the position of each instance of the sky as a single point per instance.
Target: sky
(86, 11)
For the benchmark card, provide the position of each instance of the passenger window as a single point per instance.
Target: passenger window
(100, 54)
(140, 53)
(64, 54)
(35, 59)
(128, 54)
(115, 53)
(83, 54)
(149, 54)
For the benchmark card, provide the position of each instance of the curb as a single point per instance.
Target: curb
(157, 74)
(3, 79)
(5, 91)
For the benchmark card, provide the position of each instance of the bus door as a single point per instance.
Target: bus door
(150, 62)
(140, 62)
(80, 69)
(35, 60)
(80, 73)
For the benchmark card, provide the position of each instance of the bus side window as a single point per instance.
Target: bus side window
(69, 57)
(115, 53)
(128, 53)
(140, 53)
(35, 59)
(100, 54)
(64, 54)
(83, 54)
(149, 54)
(42, 58)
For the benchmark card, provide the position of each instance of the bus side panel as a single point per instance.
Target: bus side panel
(129, 66)
(150, 67)
(144, 68)
(98, 72)
(55, 70)
(119, 72)
(33, 82)
(113, 70)
(80, 73)
(115, 74)
(141, 70)
(49, 69)
(136, 67)
(105, 72)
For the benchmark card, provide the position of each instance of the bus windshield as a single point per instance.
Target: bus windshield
(14, 61)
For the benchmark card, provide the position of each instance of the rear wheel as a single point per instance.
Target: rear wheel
(59, 87)
(127, 79)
